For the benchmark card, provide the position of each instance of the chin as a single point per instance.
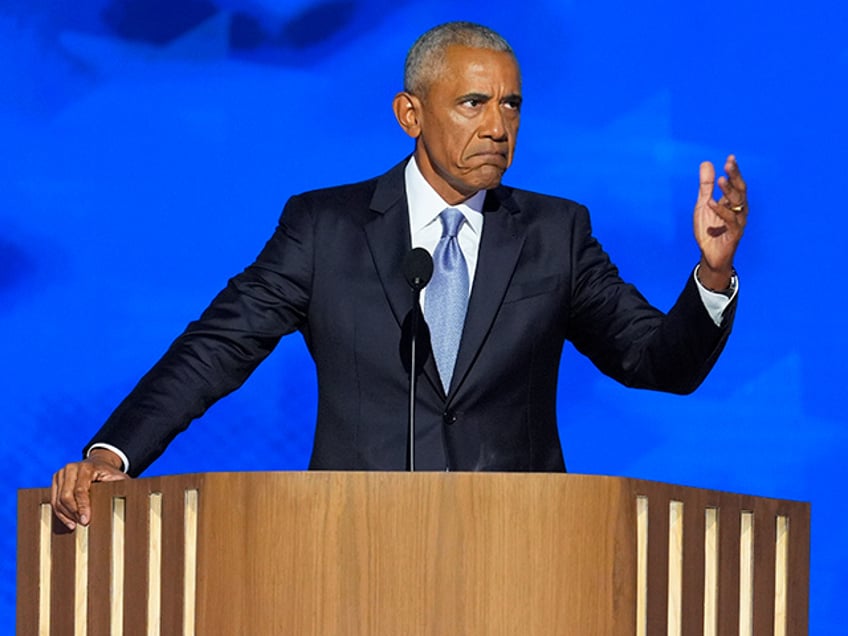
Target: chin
(490, 178)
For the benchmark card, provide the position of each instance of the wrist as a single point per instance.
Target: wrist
(106, 456)
(715, 279)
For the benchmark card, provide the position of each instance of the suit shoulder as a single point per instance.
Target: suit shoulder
(331, 204)
(530, 198)
(540, 207)
(340, 193)
(353, 201)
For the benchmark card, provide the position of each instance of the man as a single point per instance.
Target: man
(530, 277)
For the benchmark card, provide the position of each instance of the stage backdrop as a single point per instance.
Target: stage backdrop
(149, 145)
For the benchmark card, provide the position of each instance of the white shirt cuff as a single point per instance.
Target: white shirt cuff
(716, 302)
(117, 451)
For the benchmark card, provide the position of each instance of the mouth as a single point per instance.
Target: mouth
(490, 151)
(490, 156)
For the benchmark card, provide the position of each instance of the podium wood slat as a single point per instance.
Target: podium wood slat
(29, 532)
(658, 539)
(172, 564)
(730, 523)
(765, 541)
(135, 565)
(694, 532)
(99, 563)
(799, 563)
(63, 559)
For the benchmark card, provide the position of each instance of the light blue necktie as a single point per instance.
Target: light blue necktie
(447, 296)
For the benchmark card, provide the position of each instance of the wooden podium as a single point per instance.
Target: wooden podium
(328, 553)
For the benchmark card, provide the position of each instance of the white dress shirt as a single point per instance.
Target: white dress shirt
(425, 206)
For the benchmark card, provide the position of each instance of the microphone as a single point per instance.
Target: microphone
(417, 269)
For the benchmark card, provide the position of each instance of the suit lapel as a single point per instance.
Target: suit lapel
(388, 236)
(387, 233)
(500, 246)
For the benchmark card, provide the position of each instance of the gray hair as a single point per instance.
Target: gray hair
(426, 56)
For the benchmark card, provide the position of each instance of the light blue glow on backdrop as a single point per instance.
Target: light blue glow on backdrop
(148, 146)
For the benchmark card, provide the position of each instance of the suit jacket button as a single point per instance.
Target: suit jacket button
(449, 417)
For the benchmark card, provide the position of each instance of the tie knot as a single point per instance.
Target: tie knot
(451, 221)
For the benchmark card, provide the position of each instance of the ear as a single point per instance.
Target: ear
(407, 108)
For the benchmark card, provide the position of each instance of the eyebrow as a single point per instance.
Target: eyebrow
(483, 97)
(480, 97)
(514, 97)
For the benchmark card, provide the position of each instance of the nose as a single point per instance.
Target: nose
(493, 125)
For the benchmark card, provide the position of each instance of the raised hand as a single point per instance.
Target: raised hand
(719, 224)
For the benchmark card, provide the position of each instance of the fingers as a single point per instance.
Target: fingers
(731, 167)
(58, 508)
(734, 199)
(733, 186)
(730, 218)
(70, 490)
(62, 497)
(70, 494)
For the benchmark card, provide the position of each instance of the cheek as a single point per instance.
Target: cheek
(450, 141)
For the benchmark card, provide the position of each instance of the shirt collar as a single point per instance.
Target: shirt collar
(425, 204)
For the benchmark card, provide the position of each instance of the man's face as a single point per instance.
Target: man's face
(467, 122)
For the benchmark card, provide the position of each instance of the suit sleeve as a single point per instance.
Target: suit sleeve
(626, 337)
(217, 352)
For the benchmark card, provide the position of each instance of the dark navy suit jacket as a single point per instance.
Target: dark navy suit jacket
(333, 270)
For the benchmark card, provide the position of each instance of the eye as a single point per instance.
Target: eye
(473, 101)
(513, 104)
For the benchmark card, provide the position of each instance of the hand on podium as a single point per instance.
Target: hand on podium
(71, 485)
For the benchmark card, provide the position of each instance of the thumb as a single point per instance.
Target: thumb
(707, 176)
(82, 489)
(111, 476)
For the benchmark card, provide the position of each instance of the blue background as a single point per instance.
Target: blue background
(148, 146)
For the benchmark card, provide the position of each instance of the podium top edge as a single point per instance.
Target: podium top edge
(635, 485)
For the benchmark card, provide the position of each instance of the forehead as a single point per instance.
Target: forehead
(467, 69)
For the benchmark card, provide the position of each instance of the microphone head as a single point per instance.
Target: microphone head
(418, 268)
